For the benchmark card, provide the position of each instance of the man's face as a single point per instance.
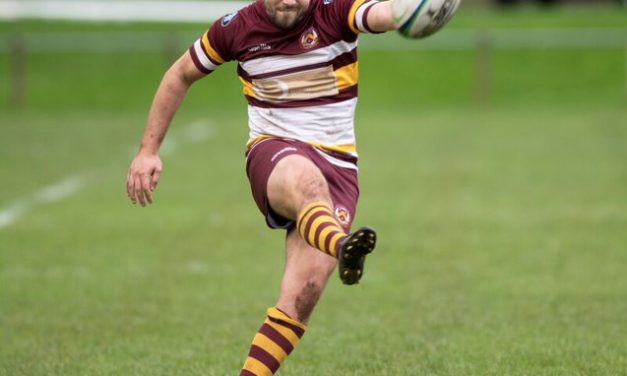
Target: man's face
(286, 13)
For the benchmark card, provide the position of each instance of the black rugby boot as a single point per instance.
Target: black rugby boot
(353, 252)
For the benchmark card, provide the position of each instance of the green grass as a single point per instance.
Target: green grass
(501, 226)
(501, 252)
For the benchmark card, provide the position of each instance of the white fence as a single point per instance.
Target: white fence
(19, 45)
(450, 39)
(158, 11)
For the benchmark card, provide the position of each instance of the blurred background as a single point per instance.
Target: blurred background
(492, 163)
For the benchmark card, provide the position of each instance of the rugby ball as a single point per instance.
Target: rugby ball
(421, 18)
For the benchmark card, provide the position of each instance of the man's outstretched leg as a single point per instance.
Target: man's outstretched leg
(306, 274)
(319, 228)
(298, 190)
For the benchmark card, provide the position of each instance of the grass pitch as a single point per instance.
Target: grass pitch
(502, 229)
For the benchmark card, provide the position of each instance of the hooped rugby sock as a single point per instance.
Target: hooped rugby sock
(272, 344)
(318, 226)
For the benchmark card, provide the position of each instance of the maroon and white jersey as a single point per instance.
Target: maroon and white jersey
(299, 83)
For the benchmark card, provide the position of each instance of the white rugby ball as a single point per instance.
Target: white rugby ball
(421, 18)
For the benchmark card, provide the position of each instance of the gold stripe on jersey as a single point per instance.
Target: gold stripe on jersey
(347, 76)
(350, 149)
(249, 90)
(304, 85)
(210, 51)
(351, 15)
(256, 140)
(345, 149)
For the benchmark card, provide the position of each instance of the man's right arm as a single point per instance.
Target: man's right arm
(380, 18)
(145, 169)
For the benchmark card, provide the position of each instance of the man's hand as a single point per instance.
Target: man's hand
(143, 177)
(145, 170)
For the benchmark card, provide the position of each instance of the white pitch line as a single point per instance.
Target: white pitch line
(49, 194)
(193, 133)
(12, 213)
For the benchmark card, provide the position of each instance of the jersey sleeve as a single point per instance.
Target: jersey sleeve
(354, 14)
(214, 47)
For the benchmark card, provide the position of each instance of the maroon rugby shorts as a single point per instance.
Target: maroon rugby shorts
(342, 181)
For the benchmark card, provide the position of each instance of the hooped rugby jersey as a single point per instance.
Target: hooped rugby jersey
(299, 83)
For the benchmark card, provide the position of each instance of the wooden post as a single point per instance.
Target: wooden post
(483, 68)
(17, 69)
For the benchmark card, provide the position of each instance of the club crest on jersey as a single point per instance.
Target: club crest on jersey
(327, 2)
(228, 18)
(342, 215)
(310, 38)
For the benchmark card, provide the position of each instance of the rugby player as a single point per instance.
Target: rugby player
(298, 66)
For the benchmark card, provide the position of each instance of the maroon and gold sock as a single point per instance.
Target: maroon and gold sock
(318, 226)
(274, 342)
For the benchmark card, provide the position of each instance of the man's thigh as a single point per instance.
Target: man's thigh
(342, 181)
(294, 182)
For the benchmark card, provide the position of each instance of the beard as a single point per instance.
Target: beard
(285, 17)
